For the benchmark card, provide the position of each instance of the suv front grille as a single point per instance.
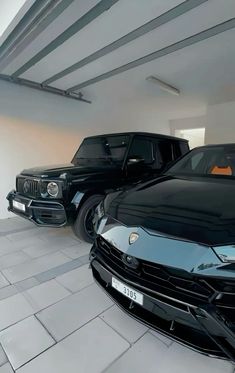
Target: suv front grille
(27, 187)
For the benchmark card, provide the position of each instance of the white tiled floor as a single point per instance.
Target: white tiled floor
(54, 319)
(24, 340)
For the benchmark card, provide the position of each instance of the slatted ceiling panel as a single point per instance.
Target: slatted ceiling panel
(76, 10)
(186, 25)
(122, 18)
(202, 72)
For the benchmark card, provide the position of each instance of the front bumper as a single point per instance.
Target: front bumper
(197, 324)
(42, 213)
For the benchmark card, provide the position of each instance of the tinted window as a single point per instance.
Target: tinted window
(184, 147)
(142, 148)
(166, 151)
(110, 148)
(216, 160)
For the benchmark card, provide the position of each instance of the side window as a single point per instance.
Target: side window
(195, 163)
(184, 147)
(195, 160)
(115, 146)
(142, 148)
(166, 151)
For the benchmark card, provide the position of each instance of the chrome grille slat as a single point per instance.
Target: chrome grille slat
(33, 188)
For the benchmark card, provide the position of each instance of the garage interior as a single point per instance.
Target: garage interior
(76, 68)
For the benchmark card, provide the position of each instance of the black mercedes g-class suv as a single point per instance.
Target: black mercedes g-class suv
(68, 194)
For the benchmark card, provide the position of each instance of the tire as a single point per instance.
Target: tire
(83, 227)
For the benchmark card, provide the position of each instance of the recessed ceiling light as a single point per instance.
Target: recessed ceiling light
(164, 86)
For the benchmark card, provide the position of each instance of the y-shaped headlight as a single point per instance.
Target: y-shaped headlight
(226, 253)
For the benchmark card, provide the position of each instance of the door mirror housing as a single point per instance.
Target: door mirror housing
(135, 160)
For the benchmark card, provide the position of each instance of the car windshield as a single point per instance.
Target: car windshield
(214, 160)
(102, 150)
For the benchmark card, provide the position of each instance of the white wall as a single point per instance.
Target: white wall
(38, 128)
(220, 123)
(187, 123)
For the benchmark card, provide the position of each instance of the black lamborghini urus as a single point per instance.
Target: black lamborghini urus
(165, 250)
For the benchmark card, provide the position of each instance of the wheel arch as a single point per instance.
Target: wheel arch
(81, 197)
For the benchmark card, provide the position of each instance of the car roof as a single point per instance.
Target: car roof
(160, 136)
(227, 145)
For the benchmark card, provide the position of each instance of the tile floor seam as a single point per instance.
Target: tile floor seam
(4, 234)
(1, 365)
(38, 275)
(24, 318)
(8, 361)
(69, 257)
(20, 250)
(27, 362)
(114, 361)
(28, 288)
(9, 283)
(73, 292)
(87, 322)
(55, 279)
(130, 343)
(116, 331)
(159, 339)
(50, 305)
(44, 327)
(87, 286)
(41, 256)
(34, 259)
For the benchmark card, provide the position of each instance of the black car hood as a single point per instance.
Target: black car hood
(57, 170)
(196, 209)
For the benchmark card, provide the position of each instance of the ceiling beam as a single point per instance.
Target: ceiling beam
(41, 14)
(203, 35)
(48, 89)
(82, 22)
(164, 18)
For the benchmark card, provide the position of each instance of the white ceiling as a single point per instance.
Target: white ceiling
(9, 9)
(204, 72)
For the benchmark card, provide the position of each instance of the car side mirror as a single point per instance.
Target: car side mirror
(134, 160)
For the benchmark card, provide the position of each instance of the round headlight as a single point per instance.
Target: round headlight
(53, 189)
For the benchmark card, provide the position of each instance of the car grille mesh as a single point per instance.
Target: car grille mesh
(181, 285)
(27, 187)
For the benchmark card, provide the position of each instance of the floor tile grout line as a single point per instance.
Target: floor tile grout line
(7, 233)
(159, 339)
(50, 305)
(20, 291)
(131, 345)
(9, 326)
(60, 300)
(37, 312)
(117, 358)
(92, 319)
(116, 331)
(6, 357)
(57, 342)
(37, 274)
(8, 361)
(74, 292)
(42, 352)
(44, 327)
(12, 253)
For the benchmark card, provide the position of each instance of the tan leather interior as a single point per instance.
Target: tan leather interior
(216, 170)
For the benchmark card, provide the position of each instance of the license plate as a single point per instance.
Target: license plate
(19, 206)
(127, 291)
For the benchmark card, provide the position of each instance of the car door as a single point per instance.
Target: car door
(142, 160)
